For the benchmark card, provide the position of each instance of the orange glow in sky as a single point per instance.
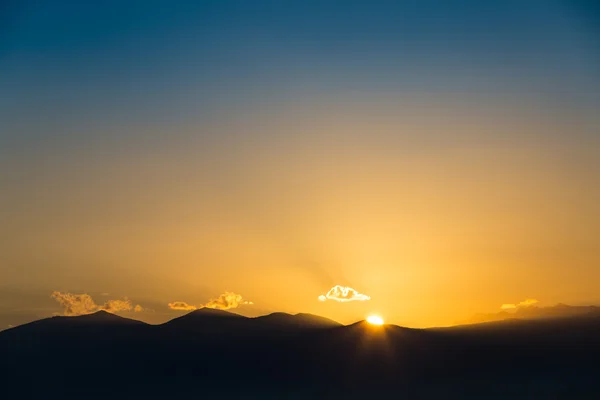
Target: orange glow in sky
(330, 168)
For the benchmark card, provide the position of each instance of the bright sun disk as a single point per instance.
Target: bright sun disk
(375, 320)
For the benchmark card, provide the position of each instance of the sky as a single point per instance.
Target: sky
(439, 158)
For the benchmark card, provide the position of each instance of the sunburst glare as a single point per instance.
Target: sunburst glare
(375, 320)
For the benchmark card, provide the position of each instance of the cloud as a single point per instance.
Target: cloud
(524, 303)
(181, 305)
(81, 304)
(343, 294)
(528, 302)
(114, 306)
(224, 302)
(138, 308)
(75, 304)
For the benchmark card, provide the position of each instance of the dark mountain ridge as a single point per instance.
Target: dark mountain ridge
(213, 353)
(534, 312)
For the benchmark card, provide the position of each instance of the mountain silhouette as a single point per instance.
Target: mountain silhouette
(100, 317)
(210, 322)
(212, 313)
(218, 354)
(534, 312)
(203, 315)
(99, 320)
(298, 321)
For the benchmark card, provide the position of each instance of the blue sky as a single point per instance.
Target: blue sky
(177, 59)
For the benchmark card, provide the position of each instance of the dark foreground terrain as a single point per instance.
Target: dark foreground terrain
(214, 354)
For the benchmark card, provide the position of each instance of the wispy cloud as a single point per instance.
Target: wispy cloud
(524, 303)
(343, 294)
(528, 302)
(181, 305)
(225, 301)
(81, 304)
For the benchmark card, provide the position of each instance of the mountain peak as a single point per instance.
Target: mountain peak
(105, 317)
(297, 320)
(101, 315)
(213, 312)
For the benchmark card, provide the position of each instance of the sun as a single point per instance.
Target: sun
(375, 320)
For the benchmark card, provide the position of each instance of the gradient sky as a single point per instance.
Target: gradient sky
(441, 157)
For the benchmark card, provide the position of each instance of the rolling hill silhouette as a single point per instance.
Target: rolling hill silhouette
(297, 321)
(217, 354)
(205, 318)
(209, 322)
(99, 319)
(533, 312)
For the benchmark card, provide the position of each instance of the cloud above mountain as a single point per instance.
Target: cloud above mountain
(181, 305)
(81, 304)
(225, 301)
(343, 294)
(524, 303)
